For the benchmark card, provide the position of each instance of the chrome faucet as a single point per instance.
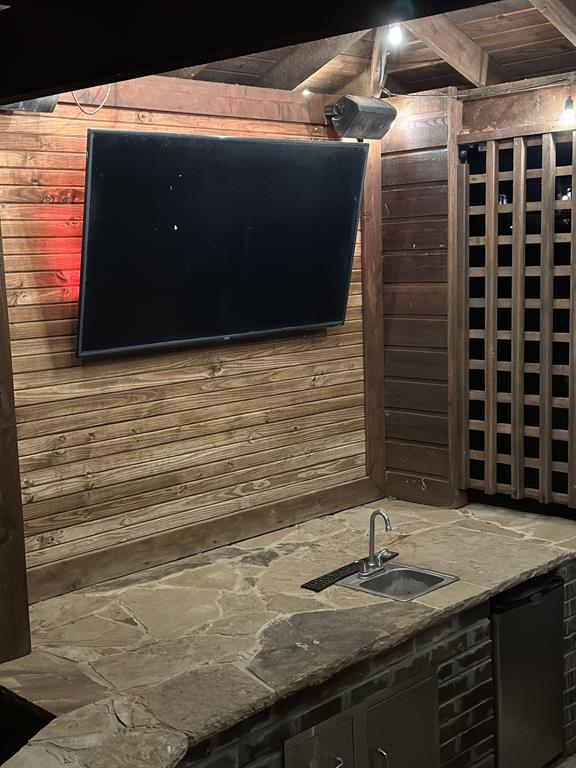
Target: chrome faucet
(376, 560)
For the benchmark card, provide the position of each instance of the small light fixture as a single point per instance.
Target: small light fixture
(395, 35)
(568, 116)
(306, 92)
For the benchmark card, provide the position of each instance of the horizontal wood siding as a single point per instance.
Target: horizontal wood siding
(132, 462)
(414, 247)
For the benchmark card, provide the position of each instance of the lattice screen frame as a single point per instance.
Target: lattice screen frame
(521, 439)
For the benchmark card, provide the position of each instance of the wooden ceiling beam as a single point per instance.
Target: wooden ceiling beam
(371, 80)
(560, 13)
(363, 85)
(457, 49)
(302, 61)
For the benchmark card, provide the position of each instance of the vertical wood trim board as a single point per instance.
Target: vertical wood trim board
(572, 353)
(131, 463)
(546, 313)
(518, 299)
(457, 253)
(374, 318)
(491, 341)
(14, 627)
(415, 235)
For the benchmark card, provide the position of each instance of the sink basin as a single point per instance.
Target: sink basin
(399, 582)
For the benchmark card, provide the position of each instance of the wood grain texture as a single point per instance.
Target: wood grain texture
(457, 49)
(129, 556)
(301, 61)
(416, 332)
(518, 301)
(421, 459)
(155, 94)
(417, 427)
(511, 36)
(416, 396)
(415, 237)
(560, 13)
(525, 113)
(130, 463)
(546, 314)
(14, 627)
(456, 303)
(491, 272)
(425, 267)
(414, 168)
(423, 364)
(420, 124)
(373, 302)
(420, 489)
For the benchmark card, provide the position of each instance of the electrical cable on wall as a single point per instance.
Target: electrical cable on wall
(98, 108)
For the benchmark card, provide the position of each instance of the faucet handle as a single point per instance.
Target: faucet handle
(365, 569)
(384, 556)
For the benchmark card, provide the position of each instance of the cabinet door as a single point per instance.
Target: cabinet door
(402, 731)
(331, 747)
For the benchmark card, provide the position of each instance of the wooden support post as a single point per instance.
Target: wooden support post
(457, 306)
(373, 306)
(14, 626)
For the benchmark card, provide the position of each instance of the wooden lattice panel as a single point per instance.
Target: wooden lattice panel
(521, 260)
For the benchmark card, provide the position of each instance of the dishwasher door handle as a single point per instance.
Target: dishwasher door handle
(385, 757)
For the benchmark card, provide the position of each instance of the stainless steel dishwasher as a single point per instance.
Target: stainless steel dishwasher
(527, 624)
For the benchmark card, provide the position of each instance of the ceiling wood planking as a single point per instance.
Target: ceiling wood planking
(457, 49)
(560, 13)
(513, 33)
(188, 72)
(303, 61)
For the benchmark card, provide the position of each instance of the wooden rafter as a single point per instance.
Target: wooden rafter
(370, 81)
(457, 49)
(560, 13)
(304, 60)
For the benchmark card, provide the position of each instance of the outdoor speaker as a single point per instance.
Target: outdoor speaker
(361, 117)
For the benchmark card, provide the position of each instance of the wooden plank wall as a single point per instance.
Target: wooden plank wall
(133, 462)
(415, 254)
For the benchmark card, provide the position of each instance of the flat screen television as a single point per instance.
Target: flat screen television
(194, 239)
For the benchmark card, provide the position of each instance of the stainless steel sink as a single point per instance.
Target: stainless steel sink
(399, 582)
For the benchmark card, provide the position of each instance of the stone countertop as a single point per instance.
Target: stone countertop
(139, 668)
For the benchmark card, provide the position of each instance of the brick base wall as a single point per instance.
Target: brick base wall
(459, 650)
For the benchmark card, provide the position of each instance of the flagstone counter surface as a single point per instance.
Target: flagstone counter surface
(138, 669)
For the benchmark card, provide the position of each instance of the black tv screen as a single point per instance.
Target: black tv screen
(189, 239)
